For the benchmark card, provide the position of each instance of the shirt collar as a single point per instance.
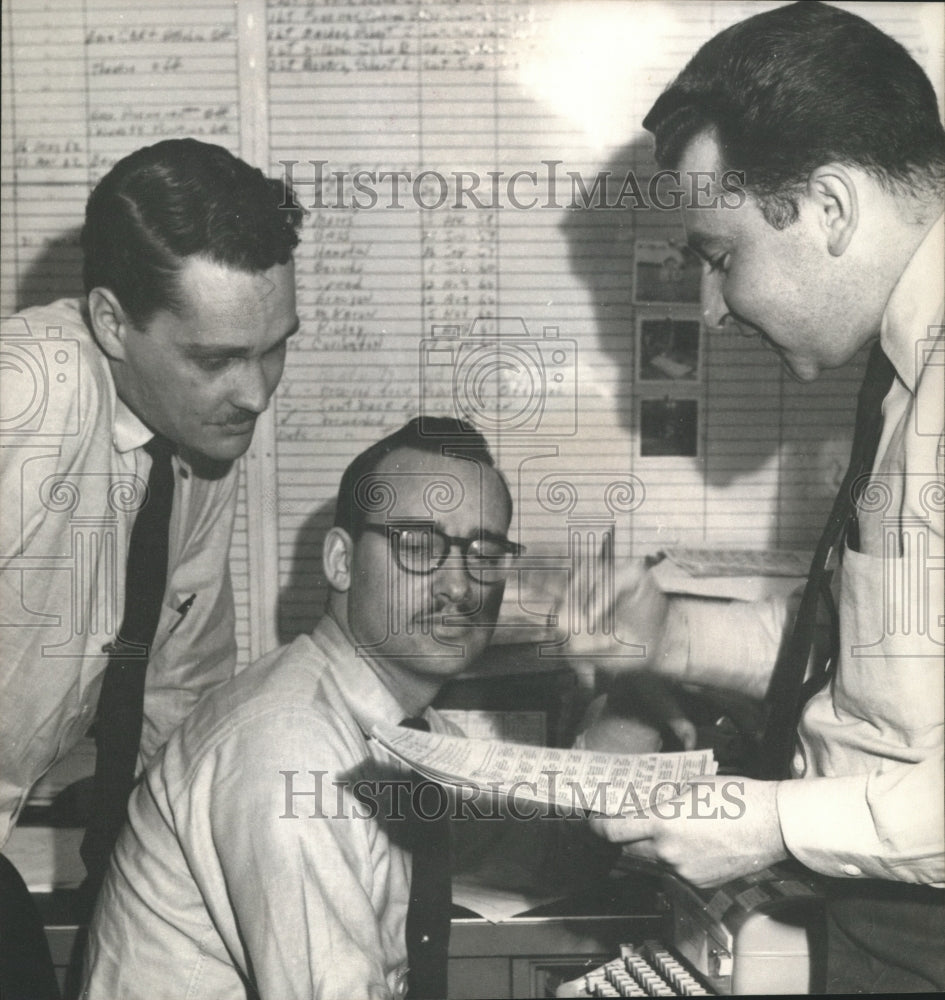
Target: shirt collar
(365, 694)
(128, 432)
(915, 304)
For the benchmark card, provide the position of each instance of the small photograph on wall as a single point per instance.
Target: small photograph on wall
(667, 349)
(669, 428)
(665, 272)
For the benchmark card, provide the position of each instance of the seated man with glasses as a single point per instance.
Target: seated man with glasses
(263, 852)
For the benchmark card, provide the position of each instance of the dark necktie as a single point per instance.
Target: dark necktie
(788, 692)
(428, 915)
(121, 702)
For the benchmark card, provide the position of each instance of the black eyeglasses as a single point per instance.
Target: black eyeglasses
(422, 549)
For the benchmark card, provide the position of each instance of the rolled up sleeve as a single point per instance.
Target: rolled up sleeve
(733, 644)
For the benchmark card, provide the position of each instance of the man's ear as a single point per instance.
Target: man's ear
(336, 559)
(832, 189)
(109, 322)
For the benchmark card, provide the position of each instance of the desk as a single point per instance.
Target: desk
(522, 958)
(531, 954)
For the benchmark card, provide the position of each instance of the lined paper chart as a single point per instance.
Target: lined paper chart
(484, 238)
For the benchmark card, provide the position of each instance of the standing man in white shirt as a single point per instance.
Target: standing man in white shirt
(176, 348)
(835, 134)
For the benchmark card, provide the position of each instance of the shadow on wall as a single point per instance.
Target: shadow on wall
(55, 273)
(600, 241)
(302, 599)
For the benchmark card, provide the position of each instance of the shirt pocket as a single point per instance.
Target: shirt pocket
(891, 668)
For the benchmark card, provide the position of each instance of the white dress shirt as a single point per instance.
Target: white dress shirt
(72, 475)
(247, 860)
(870, 746)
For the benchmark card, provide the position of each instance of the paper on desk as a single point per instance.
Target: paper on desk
(496, 905)
(511, 876)
(576, 781)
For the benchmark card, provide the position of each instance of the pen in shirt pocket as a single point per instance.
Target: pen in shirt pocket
(182, 611)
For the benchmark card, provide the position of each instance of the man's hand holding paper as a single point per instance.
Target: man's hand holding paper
(718, 828)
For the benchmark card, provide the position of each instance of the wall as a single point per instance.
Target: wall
(415, 118)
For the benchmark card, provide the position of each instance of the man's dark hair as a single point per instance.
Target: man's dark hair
(435, 435)
(175, 199)
(803, 85)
